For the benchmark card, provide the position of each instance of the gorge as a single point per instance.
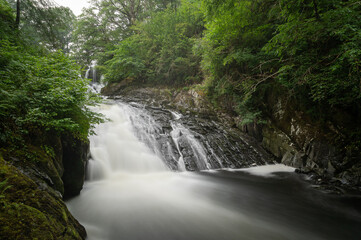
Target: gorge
(217, 119)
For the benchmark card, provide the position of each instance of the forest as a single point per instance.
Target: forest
(245, 57)
(233, 50)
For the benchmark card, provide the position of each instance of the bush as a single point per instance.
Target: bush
(42, 93)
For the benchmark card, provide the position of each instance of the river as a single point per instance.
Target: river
(138, 188)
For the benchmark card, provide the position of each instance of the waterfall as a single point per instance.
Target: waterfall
(91, 71)
(133, 191)
(120, 145)
(87, 72)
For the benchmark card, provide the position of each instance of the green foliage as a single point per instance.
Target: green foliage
(44, 25)
(42, 94)
(49, 151)
(105, 23)
(93, 36)
(3, 187)
(161, 50)
(7, 19)
(231, 50)
(321, 50)
(312, 47)
(126, 63)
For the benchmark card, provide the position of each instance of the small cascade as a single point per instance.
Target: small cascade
(96, 87)
(116, 147)
(165, 136)
(87, 73)
(175, 136)
(94, 77)
(186, 141)
(91, 72)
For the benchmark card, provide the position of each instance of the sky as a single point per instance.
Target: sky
(75, 5)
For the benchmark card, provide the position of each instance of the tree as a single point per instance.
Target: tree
(44, 23)
(40, 88)
(106, 23)
(232, 56)
(7, 21)
(161, 50)
(17, 21)
(319, 43)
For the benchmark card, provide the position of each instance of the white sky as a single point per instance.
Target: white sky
(75, 5)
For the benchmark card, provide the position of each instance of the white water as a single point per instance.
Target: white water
(93, 69)
(87, 73)
(267, 170)
(131, 191)
(117, 150)
(180, 132)
(96, 87)
(131, 194)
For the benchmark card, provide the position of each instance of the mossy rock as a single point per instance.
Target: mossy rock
(34, 162)
(28, 212)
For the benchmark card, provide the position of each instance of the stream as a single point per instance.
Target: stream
(155, 174)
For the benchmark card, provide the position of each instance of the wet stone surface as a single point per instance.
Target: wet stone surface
(192, 142)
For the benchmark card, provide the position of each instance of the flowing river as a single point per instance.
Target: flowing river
(138, 187)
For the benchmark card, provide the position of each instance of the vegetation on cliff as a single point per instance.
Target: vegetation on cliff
(44, 116)
(240, 51)
(41, 89)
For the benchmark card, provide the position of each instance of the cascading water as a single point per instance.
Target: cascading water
(116, 148)
(91, 71)
(181, 133)
(132, 192)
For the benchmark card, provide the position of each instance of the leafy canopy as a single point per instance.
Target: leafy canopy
(161, 49)
(40, 92)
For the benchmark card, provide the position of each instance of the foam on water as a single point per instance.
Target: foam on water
(266, 170)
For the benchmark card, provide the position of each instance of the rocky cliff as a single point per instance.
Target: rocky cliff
(289, 133)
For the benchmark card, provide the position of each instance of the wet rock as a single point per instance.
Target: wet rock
(75, 157)
(294, 159)
(202, 140)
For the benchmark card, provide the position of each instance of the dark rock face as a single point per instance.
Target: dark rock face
(114, 88)
(296, 140)
(75, 156)
(190, 137)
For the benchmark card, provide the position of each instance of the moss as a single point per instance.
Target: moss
(35, 161)
(28, 212)
(15, 222)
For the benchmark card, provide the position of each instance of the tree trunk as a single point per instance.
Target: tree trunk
(17, 20)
